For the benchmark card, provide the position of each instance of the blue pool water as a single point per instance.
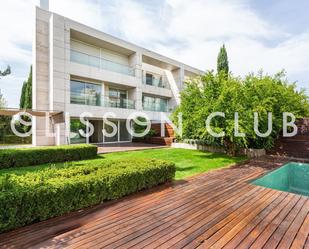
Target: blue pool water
(291, 177)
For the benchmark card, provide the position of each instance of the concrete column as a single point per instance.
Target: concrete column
(59, 78)
(40, 89)
(135, 60)
(67, 127)
(179, 75)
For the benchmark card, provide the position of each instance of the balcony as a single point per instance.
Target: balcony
(100, 100)
(155, 104)
(101, 63)
(155, 107)
(157, 82)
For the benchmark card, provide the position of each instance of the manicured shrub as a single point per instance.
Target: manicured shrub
(13, 139)
(39, 155)
(36, 195)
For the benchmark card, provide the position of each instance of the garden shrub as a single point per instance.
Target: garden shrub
(13, 139)
(48, 192)
(39, 155)
(141, 128)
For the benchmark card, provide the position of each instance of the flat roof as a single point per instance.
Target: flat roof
(127, 45)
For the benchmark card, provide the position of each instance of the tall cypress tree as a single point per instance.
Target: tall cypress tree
(22, 95)
(26, 93)
(222, 61)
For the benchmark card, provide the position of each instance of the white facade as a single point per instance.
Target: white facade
(79, 69)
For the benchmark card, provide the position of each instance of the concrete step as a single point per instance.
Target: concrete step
(156, 140)
(162, 140)
(169, 132)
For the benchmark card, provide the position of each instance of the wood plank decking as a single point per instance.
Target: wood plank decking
(215, 210)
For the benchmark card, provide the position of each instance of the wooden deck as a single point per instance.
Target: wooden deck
(215, 210)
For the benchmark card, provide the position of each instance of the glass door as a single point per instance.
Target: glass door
(109, 129)
(122, 134)
(123, 99)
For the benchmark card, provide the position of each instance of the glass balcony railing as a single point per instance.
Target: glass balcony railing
(101, 63)
(99, 100)
(155, 107)
(156, 82)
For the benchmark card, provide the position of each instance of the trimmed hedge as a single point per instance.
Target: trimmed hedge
(39, 155)
(55, 190)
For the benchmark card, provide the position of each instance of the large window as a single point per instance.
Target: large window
(85, 93)
(154, 104)
(117, 98)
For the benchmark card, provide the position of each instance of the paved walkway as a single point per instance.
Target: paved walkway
(17, 146)
(214, 210)
(119, 147)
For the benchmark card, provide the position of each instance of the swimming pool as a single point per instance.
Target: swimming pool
(291, 177)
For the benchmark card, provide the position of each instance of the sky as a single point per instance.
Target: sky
(259, 34)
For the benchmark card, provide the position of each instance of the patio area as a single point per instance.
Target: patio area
(213, 210)
(121, 147)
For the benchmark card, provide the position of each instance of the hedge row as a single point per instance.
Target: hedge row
(55, 190)
(39, 155)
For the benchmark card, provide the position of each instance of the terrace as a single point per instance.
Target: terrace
(216, 209)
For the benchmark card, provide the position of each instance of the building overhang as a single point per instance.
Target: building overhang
(57, 116)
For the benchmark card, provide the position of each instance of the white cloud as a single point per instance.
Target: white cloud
(216, 20)
(193, 33)
(201, 26)
(86, 12)
(16, 25)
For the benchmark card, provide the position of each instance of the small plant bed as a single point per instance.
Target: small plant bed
(188, 162)
(33, 194)
(20, 157)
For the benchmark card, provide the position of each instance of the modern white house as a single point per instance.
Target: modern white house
(78, 69)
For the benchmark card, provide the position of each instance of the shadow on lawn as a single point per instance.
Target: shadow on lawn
(184, 168)
(221, 156)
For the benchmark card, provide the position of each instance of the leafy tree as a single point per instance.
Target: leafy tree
(222, 61)
(141, 128)
(254, 93)
(4, 120)
(6, 71)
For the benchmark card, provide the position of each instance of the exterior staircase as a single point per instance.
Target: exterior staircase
(297, 146)
(167, 140)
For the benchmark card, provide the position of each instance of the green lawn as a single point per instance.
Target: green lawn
(188, 162)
